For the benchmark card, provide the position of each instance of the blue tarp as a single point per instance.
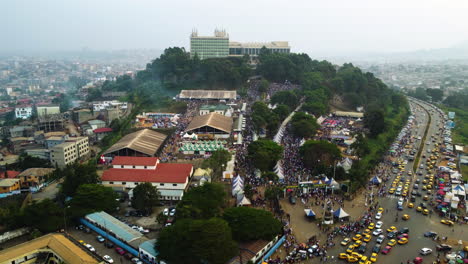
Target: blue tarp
(309, 212)
(375, 180)
(273, 249)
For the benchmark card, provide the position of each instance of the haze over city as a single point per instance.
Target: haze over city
(315, 27)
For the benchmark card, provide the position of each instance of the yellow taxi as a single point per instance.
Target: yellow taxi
(403, 241)
(446, 222)
(392, 242)
(391, 229)
(343, 256)
(371, 226)
(410, 205)
(391, 191)
(425, 212)
(404, 194)
(405, 217)
(373, 257)
(345, 241)
(419, 209)
(425, 198)
(350, 249)
(367, 238)
(357, 243)
(380, 210)
(356, 255)
(352, 259)
(357, 237)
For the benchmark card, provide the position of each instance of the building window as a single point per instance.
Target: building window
(134, 166)
(174, 184)
(122, 166)
(124, 183)
(161, 184)
(111, 182)
(146, 167)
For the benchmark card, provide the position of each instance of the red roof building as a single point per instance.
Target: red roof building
(10, 174)
(103, 130)
(171, 179)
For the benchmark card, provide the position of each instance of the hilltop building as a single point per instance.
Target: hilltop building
(219, 46)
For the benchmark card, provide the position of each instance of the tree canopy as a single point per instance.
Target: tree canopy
(197, 241)
(145, 196)
(217, 162)
(264, 154)
(319, 153)
(374, 120)
(252, 224)
(203, 201)
(46, 216)
(303, 125)
(76, 175)
(91, 198)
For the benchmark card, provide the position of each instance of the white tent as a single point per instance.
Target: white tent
(244, 201)
(340, 213)
(458, 190)
(238, 179)
(454, 202)
(236, 190)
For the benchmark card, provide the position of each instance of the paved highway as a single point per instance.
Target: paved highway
(418, 223)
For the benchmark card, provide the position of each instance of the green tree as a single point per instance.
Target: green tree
(202, 241)
(312, 80)
(288, 98)
(91, 198)
(282, 111)
(264, 154)
(145, 196)
(217, 162)
(252, 224)
(263, 86)
(46, 216)
(374, 120)
(273, 192)
(303, 125)
(76, 175)
(270, 176)
(248, 191)
(203, 201)
(315, 153)
(436, 94)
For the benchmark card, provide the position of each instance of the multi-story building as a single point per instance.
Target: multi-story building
(101, 105)
(68, 152)
(253, 49)
(216, 46)
(23, 111)
(45, 110)
(219, 46)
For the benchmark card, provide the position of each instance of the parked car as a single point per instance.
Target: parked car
(386, 250)
(377, 232)
(100, 239)
(90, 248)
(137, 261)
(430, 234)
(380, 239)
(376, 248)
(108, 244)
(172, 213)
(119, 251)
(108, 259)
(425, 251)
(166, 211)
(128, 255)
(292, 200)
(443, 247)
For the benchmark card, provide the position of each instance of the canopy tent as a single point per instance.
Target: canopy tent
(340, 213)
(334, 184)
(243, 201)
(375, 180)
(237, 179)
(454, 202)
(309, 213)
(236, 190)
(459, 190)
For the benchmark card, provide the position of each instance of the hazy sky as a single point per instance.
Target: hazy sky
(341, 27)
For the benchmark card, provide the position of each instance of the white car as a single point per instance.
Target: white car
(108, 259)
(143, 230)
(378, 224)
(172, 213)
(377, 232)
(425, 251)
(378, 216)
(166, 211)
(90, 248)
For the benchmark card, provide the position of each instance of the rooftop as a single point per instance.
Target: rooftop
(58, 243)
(214, 107)
(164, 173)
(215, 120)
(137, 161)
(148, 246)
(36, 172)
(10, 174)
(103, 130)
(207, 94)
(145, 141)
(114, 225)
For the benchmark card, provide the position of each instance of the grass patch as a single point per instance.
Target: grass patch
(460, 132)
(423, 139)
(464, 172)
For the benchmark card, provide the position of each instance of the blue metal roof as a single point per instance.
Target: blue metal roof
(148, 246)
(112, 224)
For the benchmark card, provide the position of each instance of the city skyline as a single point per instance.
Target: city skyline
(311, 27)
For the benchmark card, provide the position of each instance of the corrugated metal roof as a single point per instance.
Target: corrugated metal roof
(215, 120)
(59, 244)
(145, 141)
(207, 94)
(112, 224)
